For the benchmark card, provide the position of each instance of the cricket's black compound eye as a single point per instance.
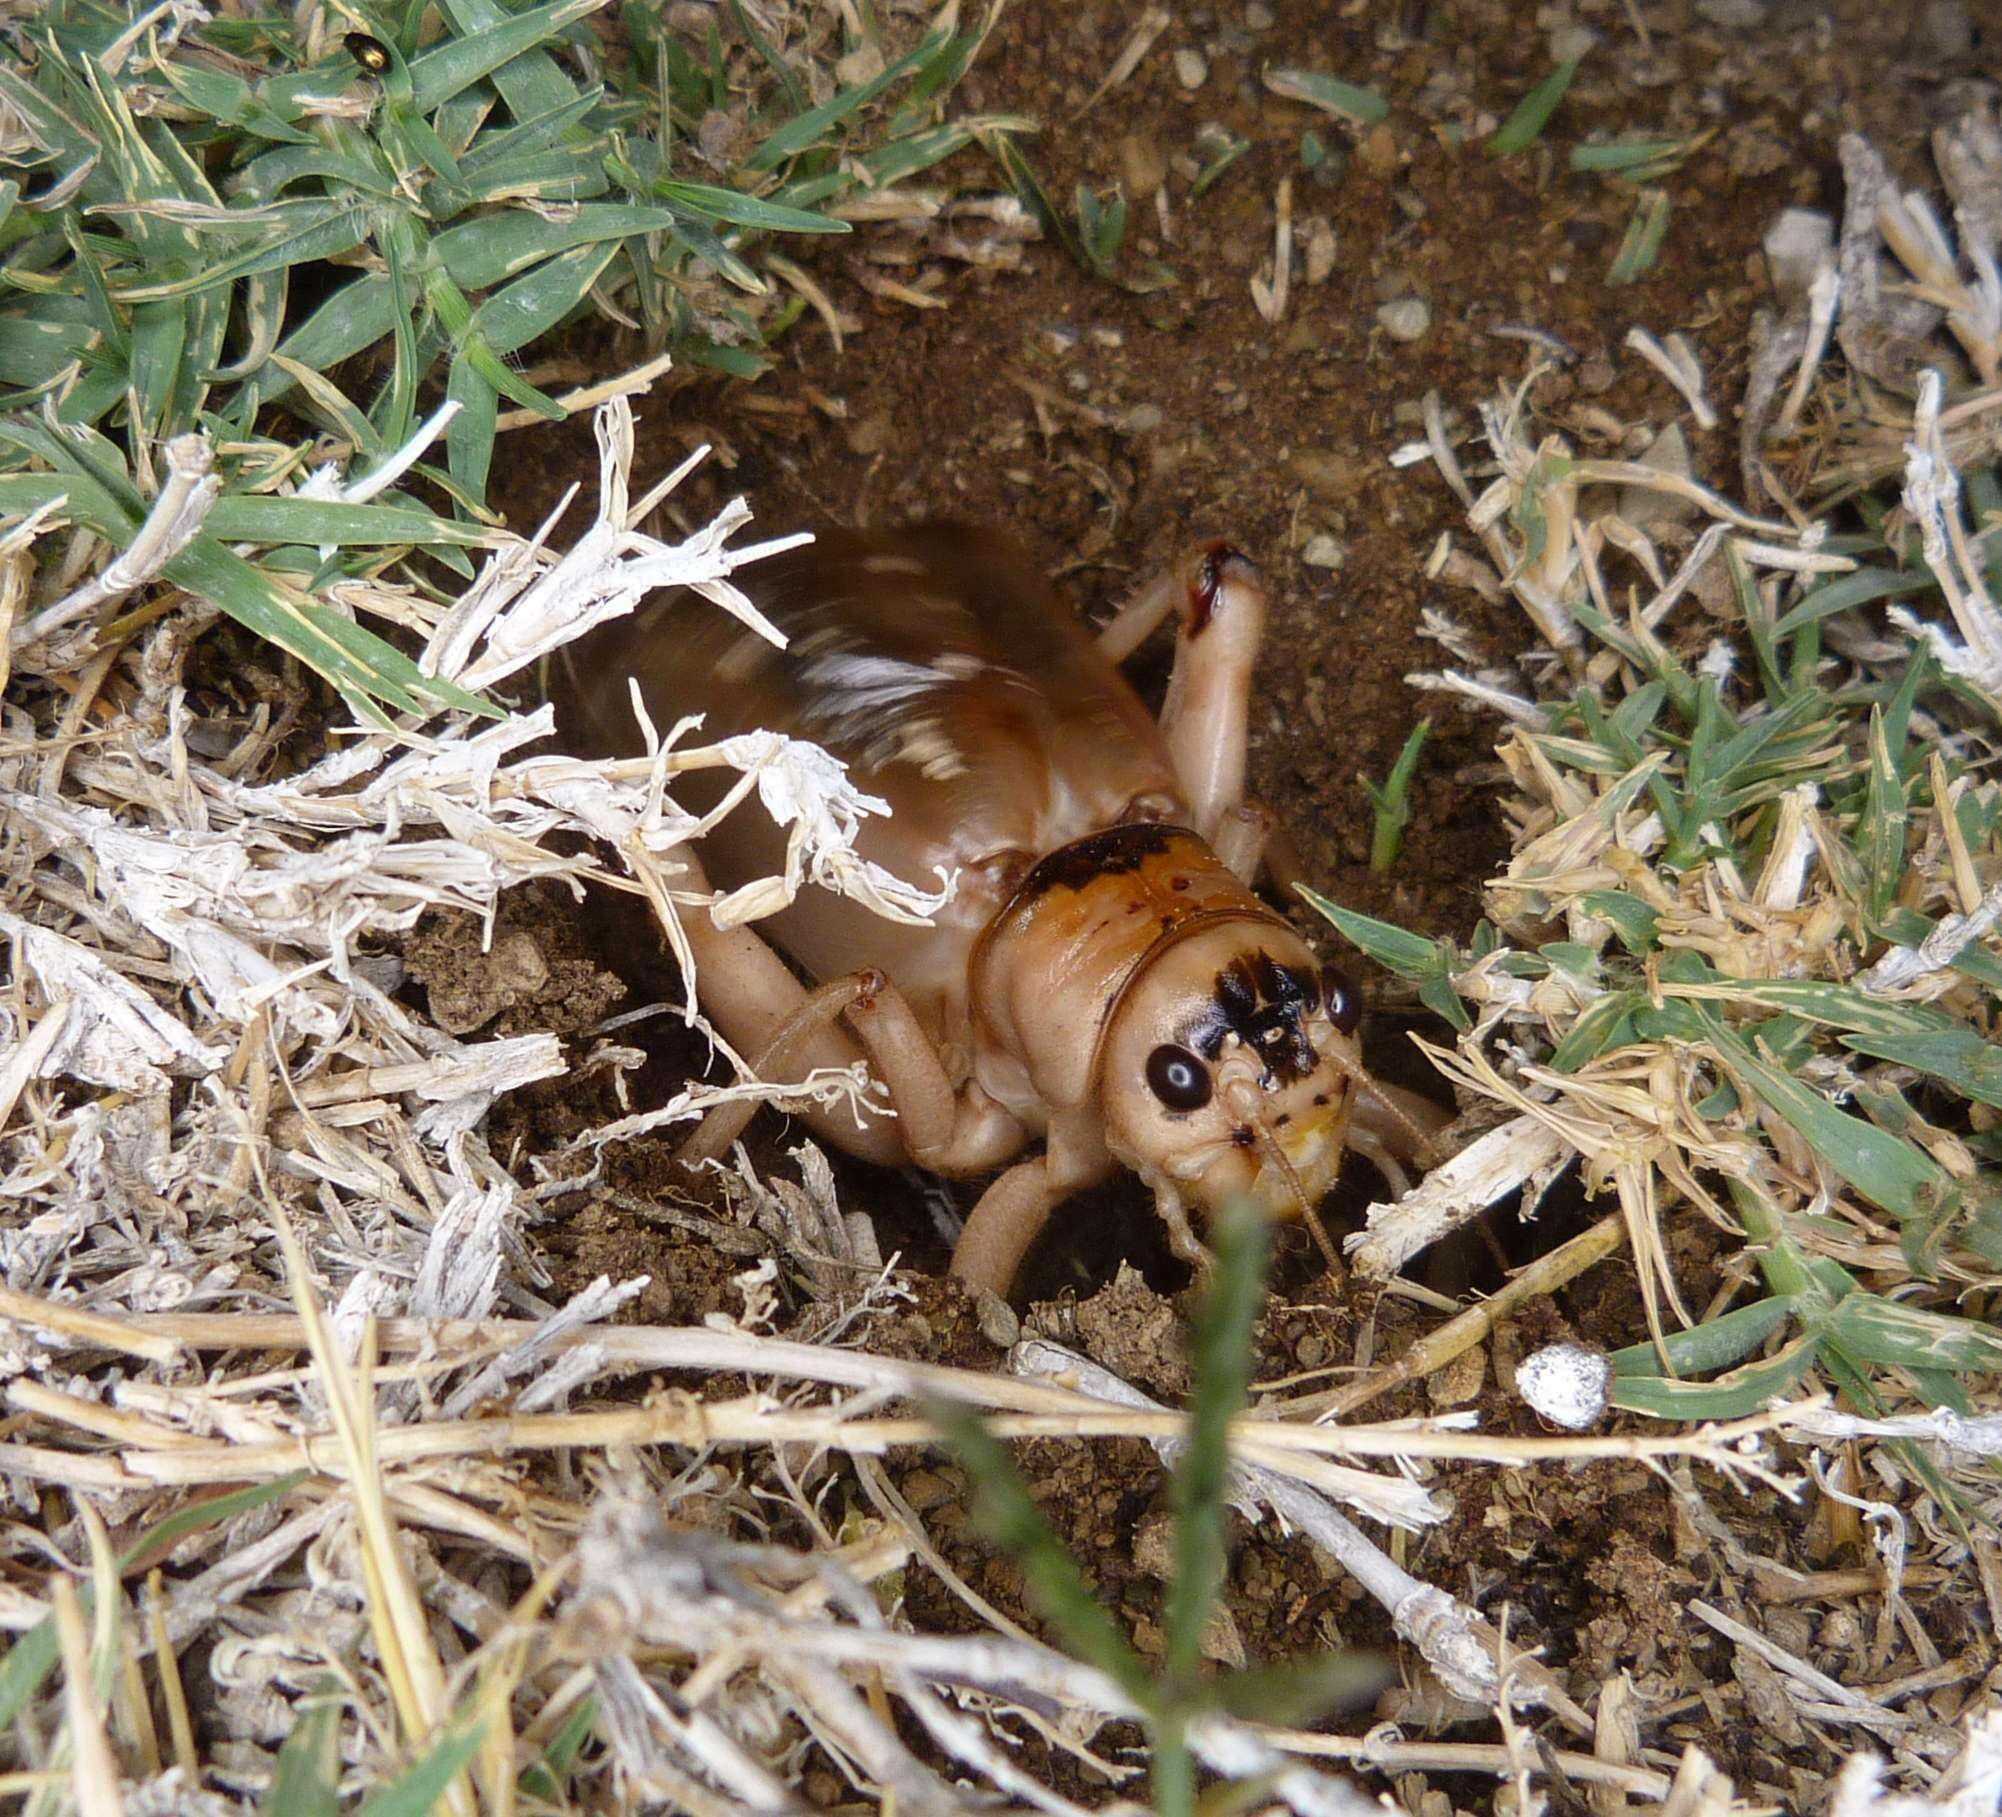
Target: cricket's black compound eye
(1343, 998)
(1178, 1078)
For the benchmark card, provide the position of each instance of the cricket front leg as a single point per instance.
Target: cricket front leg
(786, 1032)
(999, 1230)
(1206, 718)
(1217, 599)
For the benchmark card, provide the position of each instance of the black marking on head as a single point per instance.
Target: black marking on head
(1106, 854)
(1262, 1003)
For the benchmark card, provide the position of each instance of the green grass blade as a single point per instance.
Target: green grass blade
(1886, 1170)
(746, 211)
(1897, 1335)
(30, 1660)
(534, 303)
(306, 1781)
(1959, 1057)
(1880, 839)
(1239, 1237)
(1362, 106)
(1715, 1344)
(1298, 1693)
(259, 518)
(436, 75)
(808, 129)
(1645, 235)
(356, 316)
(1628, 155)
(490, 248)
(325, 232)
(349, 655)
(1734, 1396)
(545, 1778)
(1409, 955)
(422, 1787)
(1605, 1025)
(1827, 1004)
(469, 437)
(1533, 111)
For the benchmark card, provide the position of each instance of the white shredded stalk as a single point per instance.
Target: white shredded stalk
(1977, 1435)
(1932, 499)
(1456, 1192)
(183, 501)
(1904, 967)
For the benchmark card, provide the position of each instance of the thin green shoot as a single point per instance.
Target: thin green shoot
(1641, 246)
(1101, 222)
(1299, 1691)
(1392, 802)
(1219, 149)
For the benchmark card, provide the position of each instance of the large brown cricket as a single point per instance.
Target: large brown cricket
(1104, 977)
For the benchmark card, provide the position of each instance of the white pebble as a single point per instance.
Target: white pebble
(1568, 1384)
(1407, 319)
(1324, 551)
(1258, 17)
(1192, 70)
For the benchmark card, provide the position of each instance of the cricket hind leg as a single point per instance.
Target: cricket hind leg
(787, 1031)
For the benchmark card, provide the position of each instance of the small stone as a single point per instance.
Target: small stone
(1154, 1546)
(1324, 550)
(1596, 374)
(1571, 43)
(1311, 1351)
(1407, 319)
(1329, 476)
(1378, 150)
(1143, 166)
(1797, 246)
(926, 1490)
(1258, 17)
(1192, 68)
(873, 434)
(1141, 419)
(1222, 1640)
(1567, 1384)
(1317, 244)
(1459, 1381)
(999, 1324)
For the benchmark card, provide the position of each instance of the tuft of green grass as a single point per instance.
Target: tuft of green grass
(245, 235)
(1219, 148)
(1169, 1699)
(1639, 161)
(1717, 860)
(1101, 224)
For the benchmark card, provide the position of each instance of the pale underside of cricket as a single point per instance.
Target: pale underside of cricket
(1103, 980)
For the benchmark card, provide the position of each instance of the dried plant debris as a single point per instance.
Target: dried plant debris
(1903, 296)
(1742, 969)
